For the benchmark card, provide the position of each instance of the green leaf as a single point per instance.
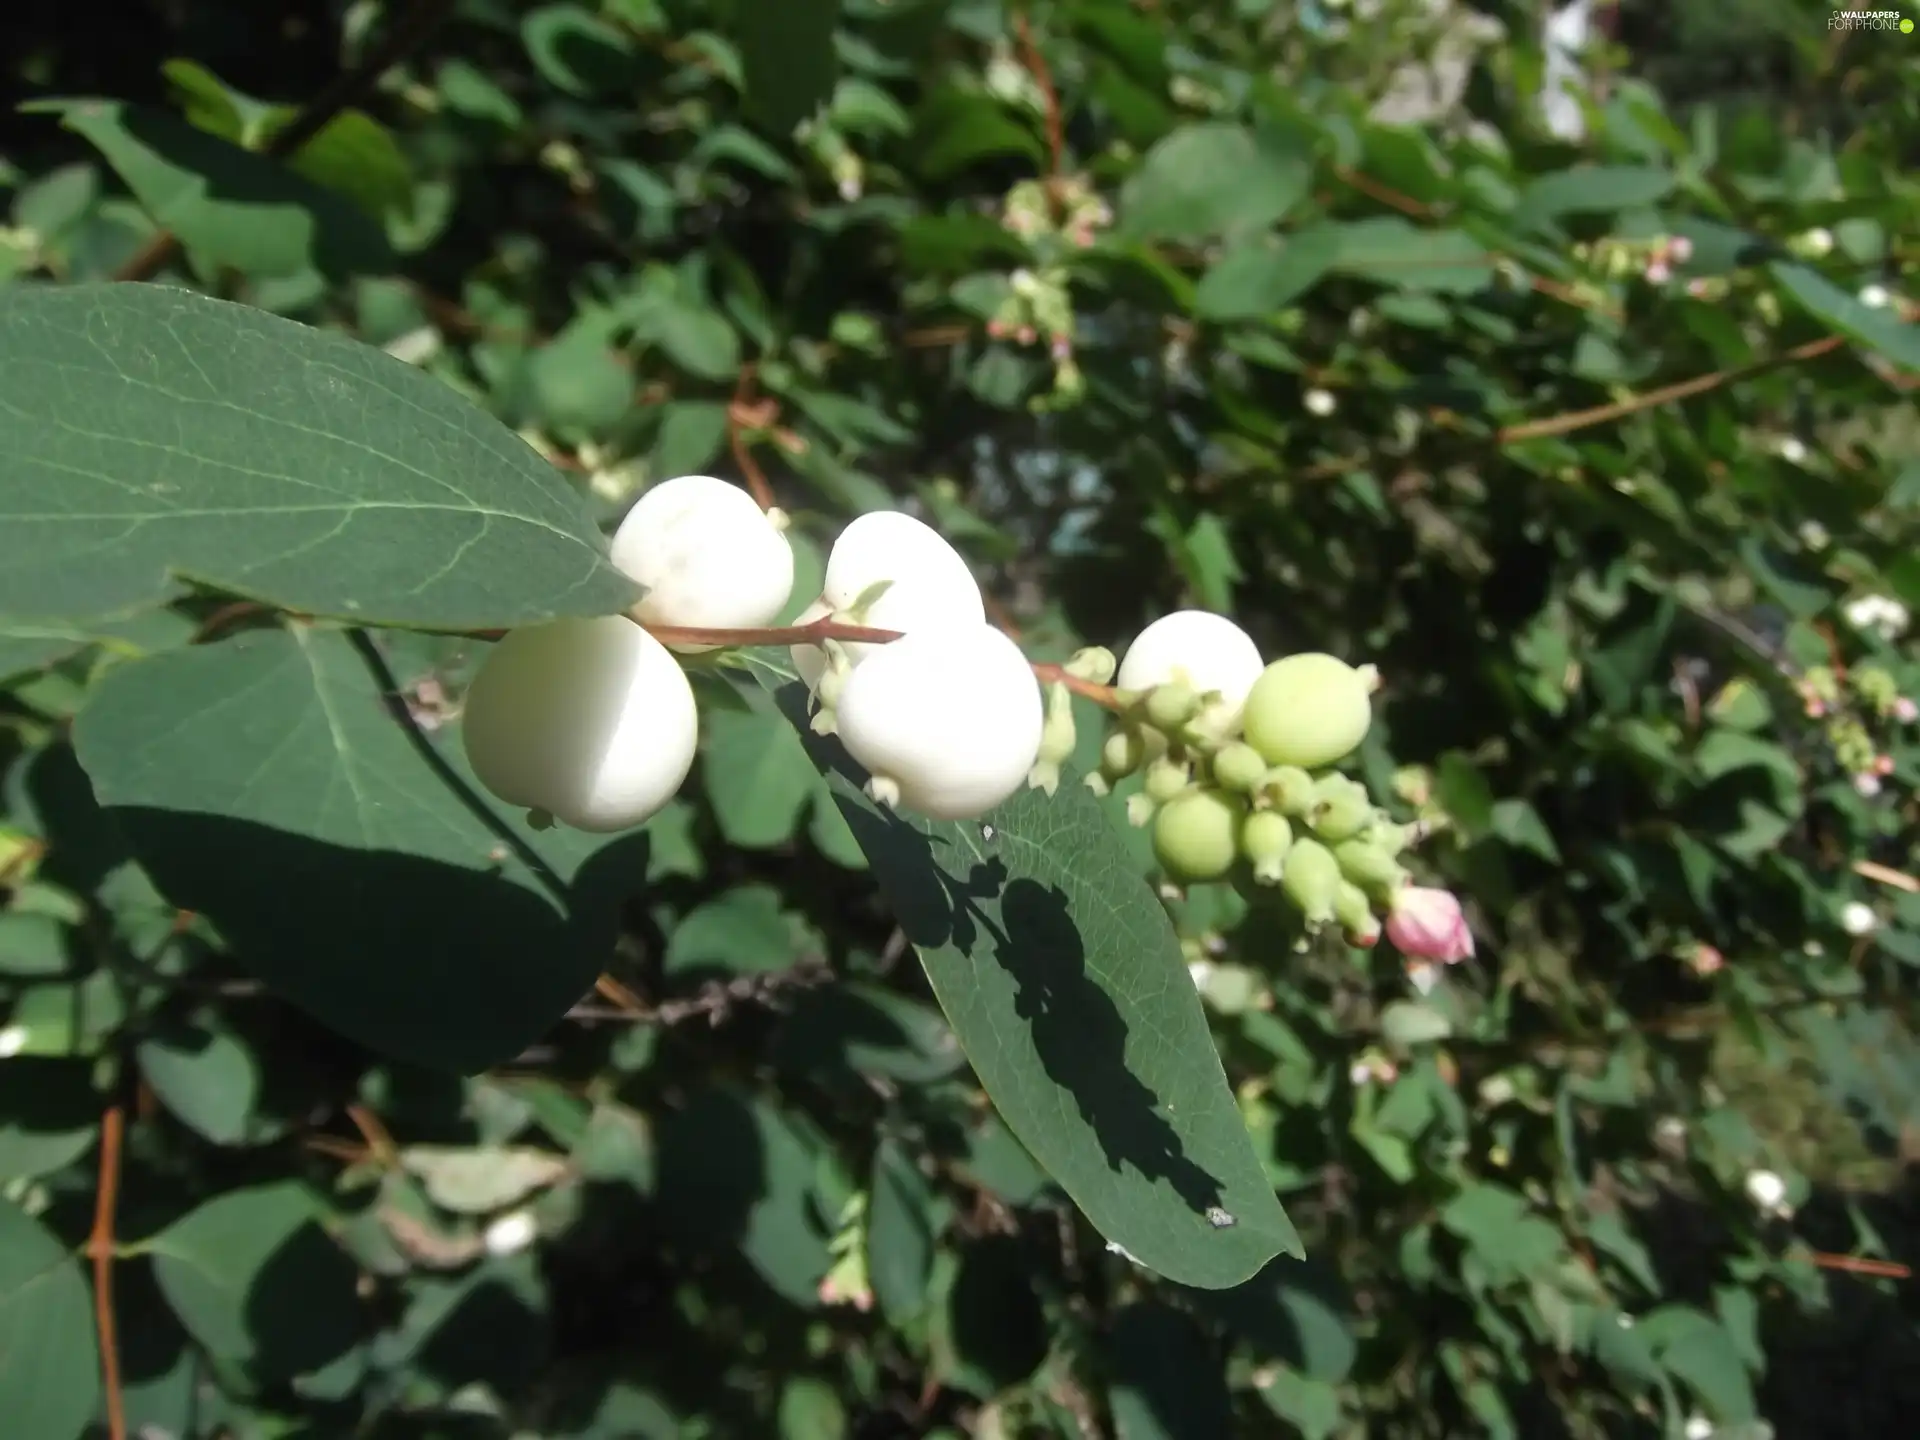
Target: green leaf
(1878, 328)
(787, 58)
(1168, 1385)
(256, 1280)
(1207, 180)
(957, 128)
(482, 1180)
(148, 432)
(206, 1077)
(49, 1117)
(575, 51)
(1592, 190)
(1064, 980)
(698, 339)
(1390, 251)
(1405, 1022)
(1260, 278)
(690, 436)
(354, 155)
(735, 1172)
(49, 1355)
(741, 932)
(228, 205)
(902, 1224)
(350, 861)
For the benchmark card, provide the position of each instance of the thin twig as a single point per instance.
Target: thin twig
(1036, 64)
(319, 112)
(1681, 390)
(715, 1001)
(1385, 194)
(1855, 1265)
(1867, 870)
(743, 414)
(100, 1246)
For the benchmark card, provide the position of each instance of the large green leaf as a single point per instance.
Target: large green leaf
(49, 1356)
(255, 1278)
(786, 56)
(268, 783)
(228, 205)
(1064, 980)
(1877, 327)
(1211, 179)
(147, 431)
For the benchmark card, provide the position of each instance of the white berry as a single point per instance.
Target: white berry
(1206, 651)
(947, 720)
(592, 721)
(708, 555)
(930, 584)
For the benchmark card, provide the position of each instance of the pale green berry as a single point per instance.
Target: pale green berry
(1312, 880)
(1239, 767)
(1288, 789)
(1340, 816)
(1172, 705)
(1196, 836)
(1352, 908)
(1265, 840)
(1308, 710)
(1166, 779)
(1370, 866)
(1122, 753)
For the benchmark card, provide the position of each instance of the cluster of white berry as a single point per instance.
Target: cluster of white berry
(592, 722)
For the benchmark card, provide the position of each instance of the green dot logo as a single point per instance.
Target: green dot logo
(1906, 27)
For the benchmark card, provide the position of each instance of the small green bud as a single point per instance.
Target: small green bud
(1288, 789)
(1370, 866)
(1265, 840)
(1122, 753)
(864, 601)
(1140, 810)
(1231, 989)
(540, 819)
(1239, 767)
(1308, 710)
(1312, 880)
(1095, 665)
(1166, 779)
(1196, 837)
(1057, 740)
(1171, 705)
(1352, 908)
(1340, 818)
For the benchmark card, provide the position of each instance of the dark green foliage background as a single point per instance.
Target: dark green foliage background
(590, 220)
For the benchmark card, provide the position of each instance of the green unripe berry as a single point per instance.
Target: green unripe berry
(1122, 753)
(1370, 866)
(1308, 710)
(1140, 810)
(1239, 767)
(1196, 837)
(1166, 779)
(1341, 818)
(1351, 908)
(1312, 880)
(1265, 840)
(1288, 789)
(1171, 705)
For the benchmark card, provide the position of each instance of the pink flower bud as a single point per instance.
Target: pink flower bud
(998, 329)
(1706, 960)
(1815, 708)
(1883, 765)
(1867, 784)
(1026, 335)
(1428, 924)
(1698, 287)
(1905, 711)
(1062, 347)
(1680, 250)
(1658, 273)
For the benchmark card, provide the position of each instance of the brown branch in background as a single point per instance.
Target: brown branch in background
(1854, 1265)
(744, 414)
(346, 90)
(100, 1244)
(1867, 870)
(1665, 395)
(715, 1001)
(1036, 64)
(379, 1141)
(1385, 194)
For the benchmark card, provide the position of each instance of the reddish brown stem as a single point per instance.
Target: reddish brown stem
(1036, 63)
(100, 1250)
